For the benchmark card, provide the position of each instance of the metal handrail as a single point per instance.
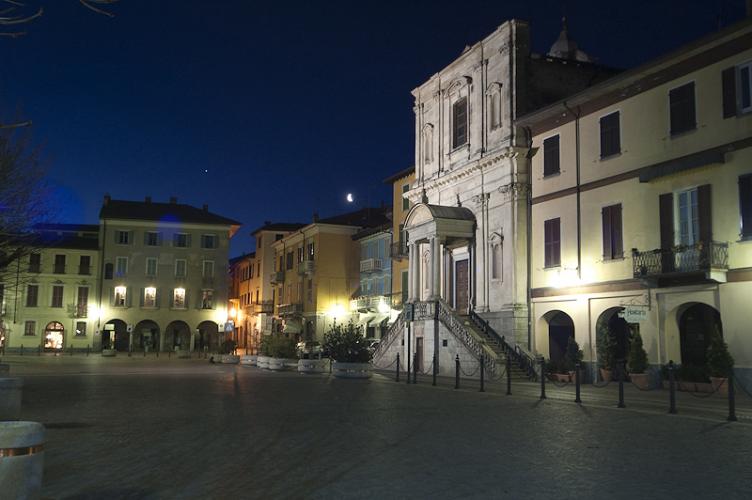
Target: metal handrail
(447, 316)
(387, 339)
(519, 356)
(700, 256)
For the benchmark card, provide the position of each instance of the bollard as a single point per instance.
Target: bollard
(71, 350)
(88, 348)
(396, 378)
(169, 354)
(129, 351)
(543, 377)
(39, 350)
(731, 397)
(408, 366)
(21, 349)
(577, 383)
(509, 375)
(482, 374)
(22, 445)
(457, 372)
(415, 368)
(622, 369)
(671, 388)
(435, 369)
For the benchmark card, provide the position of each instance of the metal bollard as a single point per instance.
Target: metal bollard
(129, 352)
(21, 349)
(482, 374)
(509, 376)
(408, 367)
(435, 369)
(577, 383)
(396, 378)
(88, 348)
(415, 368)
(39, 350)
(169, 354)
(457, 372)
(671, 389)
(622, 369)
(71, 350)
(731, 397)
(543, 377)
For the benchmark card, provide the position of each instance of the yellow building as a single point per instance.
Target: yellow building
(401, 183)
(642, 207)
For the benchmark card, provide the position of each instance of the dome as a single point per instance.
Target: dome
(566, 48)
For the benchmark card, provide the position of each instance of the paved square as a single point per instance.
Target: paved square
(146, 428)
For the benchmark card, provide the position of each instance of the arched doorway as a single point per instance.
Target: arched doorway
(115, 335)
(208, 336)
(54, 336)
(618, 329)
(560, 329)
(177, 335)
(146, 336)
(696, 324)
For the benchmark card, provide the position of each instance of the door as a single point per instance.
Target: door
(419, 353)
(461, 285)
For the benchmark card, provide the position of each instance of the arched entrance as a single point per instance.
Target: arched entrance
(696, 324)
(560, 328)
(618, 329)
(54, 336)
(115, 335)
(146, 336)
(208, 336)
(177, 335)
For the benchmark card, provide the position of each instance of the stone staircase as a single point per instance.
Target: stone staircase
(495, 344)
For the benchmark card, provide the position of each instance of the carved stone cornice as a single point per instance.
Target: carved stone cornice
(515, 190)
(481, 200)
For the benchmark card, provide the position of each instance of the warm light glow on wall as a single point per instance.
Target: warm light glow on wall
(383, 307)
(94, 312)
(220, 315)
(336, 311)
(233, 313)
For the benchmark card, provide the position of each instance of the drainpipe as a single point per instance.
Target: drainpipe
(528, 238)
(101, 278)
(577, 167)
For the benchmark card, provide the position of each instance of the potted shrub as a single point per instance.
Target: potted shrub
(605, 347)
(572, 357)
(719, 361)
(638, 362)
(349, 350)
(262, 361)
(281, 352)
(228, 352)
(557, 370)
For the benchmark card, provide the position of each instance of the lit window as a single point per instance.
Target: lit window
(178, 298)
(119, 296)
(80, 328)
(150, 297)
(207, 299)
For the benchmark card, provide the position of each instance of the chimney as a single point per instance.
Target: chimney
(173, 199)
(205, 208)
(107, 199)
(148, 199)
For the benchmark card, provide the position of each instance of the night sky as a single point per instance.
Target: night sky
(273, 110)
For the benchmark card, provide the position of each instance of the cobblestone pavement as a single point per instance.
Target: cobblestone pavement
(146, 428)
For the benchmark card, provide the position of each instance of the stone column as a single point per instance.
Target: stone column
(435, 267)
(411, 275)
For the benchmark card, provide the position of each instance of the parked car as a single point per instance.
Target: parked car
(309, 349)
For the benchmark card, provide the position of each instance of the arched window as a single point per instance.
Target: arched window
(497, 255)
(428, 143)
(493, 95)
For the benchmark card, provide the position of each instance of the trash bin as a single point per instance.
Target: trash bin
(10, 398)
(21, 459)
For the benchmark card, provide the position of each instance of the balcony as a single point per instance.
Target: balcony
(290, 309)
(369, 303)
(398, 250)
(277, 277)
(305, 267)
(683, 261)
(370, 265)
(84, 270)
(266, 307)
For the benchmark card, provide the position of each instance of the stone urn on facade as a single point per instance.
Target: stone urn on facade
(349, 351)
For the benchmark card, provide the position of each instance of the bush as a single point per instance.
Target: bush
(719, 360)
(638, 358)
(572, 356)
(347, 344)
(605, 347)
(264, 349)
(228, 347)
(280, 346)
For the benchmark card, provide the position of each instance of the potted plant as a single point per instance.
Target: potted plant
(572, 357)
(605, 347)
(638, 363)
(228, 352)
(262, 361)
(349, 350)
(311, 360)
(719, 361)
(281, 352)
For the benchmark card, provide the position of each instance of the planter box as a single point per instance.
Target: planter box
(230, 359)
(21, 475)
(352, 370)
(281, 364)
(640, 380)
(10, 399)
(184, 354)
(249, 360)
(313, 365)
(109, 353)
(263, 362)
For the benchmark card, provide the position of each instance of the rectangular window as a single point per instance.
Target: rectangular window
(119, 296)
(82, 302)
(57, 296)
(30, 328)
(687, 218)
(151, 239)
(207, 299)
(84, 265)
(612, 232)
(311, 251)
(459, 123)
(35, 263)
(180, 240)
(745, 205)
(32, 295)
(737, 89)
(405, 201)
(151, 266)
(122, 237)
(289, 260)
(610, 135)
(150, 296)
(180, 268)
(300, 254)
(496, 261)
(552, 242)
(682, 108)
(551, 160)
(208, 241)
(80, 328)
(178, 298)
(59, 264)
(121, 266)
(208, 271)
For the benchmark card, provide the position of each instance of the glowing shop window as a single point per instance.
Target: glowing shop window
(178, 300)
(150, 297)
(119, 299)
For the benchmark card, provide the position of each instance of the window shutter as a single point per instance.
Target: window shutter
(682, 107)
(728, 78)
(128, 296)
(551, 156)
(745, 204)
(666, 214)
(616, 231)
(557, 241)
(606, 222)
(156, 297)
(704, 213)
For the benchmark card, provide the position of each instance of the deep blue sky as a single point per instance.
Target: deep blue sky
(288, 105)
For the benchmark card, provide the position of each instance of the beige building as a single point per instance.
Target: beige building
(642, 207)
(401, 183)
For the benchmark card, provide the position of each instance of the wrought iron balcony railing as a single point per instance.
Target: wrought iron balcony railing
(277, 277)
(266, 306)
(680, 259)
(398, 250)
(290, 309)
(370, 265)
(305, 267)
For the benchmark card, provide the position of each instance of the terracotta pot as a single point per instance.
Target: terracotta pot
(605, 374)
(640, 380)
(561, 377)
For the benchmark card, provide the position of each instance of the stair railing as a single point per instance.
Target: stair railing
(519, 356)
(391, 333)
(447, 316)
